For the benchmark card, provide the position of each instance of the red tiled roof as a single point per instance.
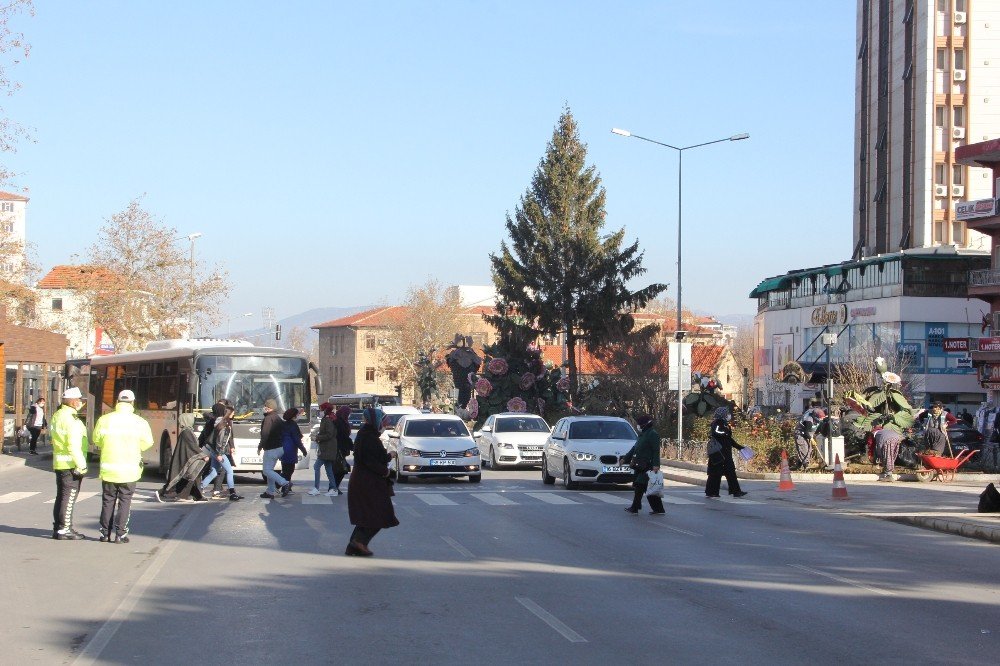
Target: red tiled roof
(706, 358)
(77, 277)
(8, 196)
(387, 316)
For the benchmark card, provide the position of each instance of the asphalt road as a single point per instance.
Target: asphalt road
(506, 571)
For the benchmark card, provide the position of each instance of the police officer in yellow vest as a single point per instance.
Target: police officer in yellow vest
(122, 436)
(69, 461)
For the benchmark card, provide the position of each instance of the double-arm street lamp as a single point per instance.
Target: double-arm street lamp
(229, 322)
(679, 335)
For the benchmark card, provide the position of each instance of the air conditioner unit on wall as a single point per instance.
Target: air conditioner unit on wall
(958, 133)
(959, 74)
(940, 190)
(960, 18)
(958, 190)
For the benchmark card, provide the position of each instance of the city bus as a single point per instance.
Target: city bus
(172, 377)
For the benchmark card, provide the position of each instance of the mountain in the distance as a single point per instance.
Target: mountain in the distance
(303, 320)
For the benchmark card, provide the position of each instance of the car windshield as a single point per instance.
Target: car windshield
(521, 424)
(601, 430)
(436, 428)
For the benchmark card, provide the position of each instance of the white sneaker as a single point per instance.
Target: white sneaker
(314, 491)
(332, 493)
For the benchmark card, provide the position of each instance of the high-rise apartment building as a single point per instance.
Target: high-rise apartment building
(927, 81)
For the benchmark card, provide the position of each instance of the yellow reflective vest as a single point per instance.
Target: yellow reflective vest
(122, 436)
(68, 435)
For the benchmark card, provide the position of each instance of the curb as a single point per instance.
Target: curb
(957, 527)
(903, 475)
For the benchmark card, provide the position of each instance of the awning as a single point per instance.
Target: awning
(770, 284)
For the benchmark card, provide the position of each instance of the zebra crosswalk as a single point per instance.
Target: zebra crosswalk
(8, 498)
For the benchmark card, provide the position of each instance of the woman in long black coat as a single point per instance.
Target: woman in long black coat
(369, 491)
(721, 463)
(186, 464)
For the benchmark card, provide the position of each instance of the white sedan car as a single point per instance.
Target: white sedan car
(512, 438)
(434, 445)
(588, 449)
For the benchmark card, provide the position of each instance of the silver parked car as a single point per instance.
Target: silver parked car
(588, 449)
(512, 438)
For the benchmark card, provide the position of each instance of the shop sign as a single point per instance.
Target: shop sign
(989, 344)
(964, 362)
(970, 210)
(992, 386)
(834, 315)
(956, 344)
(989, 372)
(868, 311)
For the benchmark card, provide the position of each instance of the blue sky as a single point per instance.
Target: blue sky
(333, 154)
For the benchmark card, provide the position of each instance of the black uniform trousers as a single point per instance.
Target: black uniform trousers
(67, 490)
(116, 505)
(719, 465)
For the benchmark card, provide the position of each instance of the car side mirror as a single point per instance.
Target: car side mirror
(393, 434)
(487, 429)
(476, 434)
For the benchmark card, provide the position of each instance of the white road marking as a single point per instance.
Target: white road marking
(92, 650)
(316, 499)
(843, 580)
(436, 500)
(462, 550)
(735, 500)
(551, 499)
(551, 620)
(494, 499)
(675, 529)
(79, 498)
(672, 499)
(7, 498)
(610, 499)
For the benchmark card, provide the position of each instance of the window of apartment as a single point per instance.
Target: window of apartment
(959, 5)
(942, 5)
(57, 304)
(8, 227)
(959, 58)
(959, 116)
(369, 374)
(939, 174)
(958, 232)
(957, 174)
(939, 116)
(369, 341)
(938, 231)
(6, 207)
(941, 59)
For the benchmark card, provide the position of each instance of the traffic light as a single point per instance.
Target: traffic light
(277, 331)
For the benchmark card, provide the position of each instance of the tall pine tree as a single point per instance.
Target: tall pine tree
(557, 271)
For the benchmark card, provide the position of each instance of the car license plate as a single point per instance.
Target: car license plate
(254, 460)
(441, 462)
(617, 469)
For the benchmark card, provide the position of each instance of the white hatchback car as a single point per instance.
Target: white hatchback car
(512, 438)
(434, 445)
(588, 449)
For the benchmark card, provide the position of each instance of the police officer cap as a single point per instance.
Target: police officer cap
(126, 396)
(72, 393)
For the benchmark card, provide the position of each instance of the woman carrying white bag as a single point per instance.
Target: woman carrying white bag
(644, 458)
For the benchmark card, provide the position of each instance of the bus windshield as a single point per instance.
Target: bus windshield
(247, 381)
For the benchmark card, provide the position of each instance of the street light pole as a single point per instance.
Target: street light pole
(229, 322)
(192, 238)
(679, 334)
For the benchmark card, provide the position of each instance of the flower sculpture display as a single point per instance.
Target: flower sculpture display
(527, 381)
(497, 366)
(473, 408)
(517, 405)
(483, 387)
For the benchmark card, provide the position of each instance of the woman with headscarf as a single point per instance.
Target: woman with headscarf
(644, 457)
(326, 452)
(186, 464)
(369, 492)
(720, 455)
(342, 428)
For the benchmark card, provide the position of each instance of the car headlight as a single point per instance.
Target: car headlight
(474, 451)
(506, 445)
(411, 452)
(580, 455)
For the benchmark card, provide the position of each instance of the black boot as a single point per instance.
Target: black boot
(233, 497)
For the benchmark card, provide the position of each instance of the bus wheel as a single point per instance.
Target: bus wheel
(165, 458)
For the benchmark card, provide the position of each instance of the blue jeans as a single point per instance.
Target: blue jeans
(216, 464)
(328, 464)
(274, 480)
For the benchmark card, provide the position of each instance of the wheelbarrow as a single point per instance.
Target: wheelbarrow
(942, 468)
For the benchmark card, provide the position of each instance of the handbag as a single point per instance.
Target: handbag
(714, 446)
(340, 465)
(655, 486)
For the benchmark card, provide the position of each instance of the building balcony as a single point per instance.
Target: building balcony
(984, 282)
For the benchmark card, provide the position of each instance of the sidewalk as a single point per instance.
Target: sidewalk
(17, 458)
(942, 507)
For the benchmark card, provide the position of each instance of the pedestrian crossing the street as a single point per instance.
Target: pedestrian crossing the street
(445, 498)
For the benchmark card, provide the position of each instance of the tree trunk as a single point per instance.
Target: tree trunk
(571, 356)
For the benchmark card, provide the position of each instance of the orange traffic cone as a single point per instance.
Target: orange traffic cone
(785, 482)
(839, 487)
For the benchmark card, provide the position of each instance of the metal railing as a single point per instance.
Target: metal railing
(989, 277)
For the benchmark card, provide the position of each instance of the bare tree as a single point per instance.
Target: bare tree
(158, 293)
(429, 320)
(13, 49)
(744, 347)
(631, 374)
(17, 270)
(300, 340)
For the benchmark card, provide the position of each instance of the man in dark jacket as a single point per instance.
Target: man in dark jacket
(720, 463)
(645, 457)
(270, 445)
(36, 423)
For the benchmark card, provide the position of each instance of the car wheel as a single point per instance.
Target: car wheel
(568, 477)
(475, 478)
(547, 479)
(493, 459)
